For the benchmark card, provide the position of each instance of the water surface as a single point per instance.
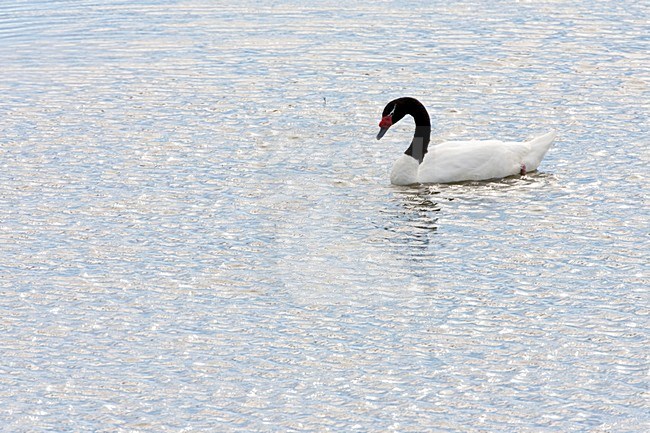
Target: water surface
(198, 233)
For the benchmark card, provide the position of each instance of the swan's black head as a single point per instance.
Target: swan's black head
(396, 109)
(393, 113)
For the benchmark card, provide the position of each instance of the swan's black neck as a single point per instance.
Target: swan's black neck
(420, 143)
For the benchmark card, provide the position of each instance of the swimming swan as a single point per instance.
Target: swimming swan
(456, 161)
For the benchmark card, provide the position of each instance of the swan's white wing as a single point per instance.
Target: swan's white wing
(456, 161)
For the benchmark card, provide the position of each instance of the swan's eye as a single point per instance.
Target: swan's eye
(392, 111)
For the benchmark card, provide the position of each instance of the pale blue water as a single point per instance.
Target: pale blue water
(198, 233)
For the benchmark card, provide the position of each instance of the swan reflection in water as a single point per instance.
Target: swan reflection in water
(415, 218)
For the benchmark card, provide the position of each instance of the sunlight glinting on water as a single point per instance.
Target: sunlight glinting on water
(198, 232)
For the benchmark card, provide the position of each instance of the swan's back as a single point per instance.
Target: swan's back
(457, 161)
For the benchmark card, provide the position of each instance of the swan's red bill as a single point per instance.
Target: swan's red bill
(386, 122)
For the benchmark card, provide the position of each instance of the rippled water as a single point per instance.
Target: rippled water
(198, 233)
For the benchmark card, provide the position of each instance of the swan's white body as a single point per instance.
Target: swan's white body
(457, 161)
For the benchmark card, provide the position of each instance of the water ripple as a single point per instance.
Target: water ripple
(197, 230)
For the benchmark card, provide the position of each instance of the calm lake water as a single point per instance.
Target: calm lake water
(198, 232)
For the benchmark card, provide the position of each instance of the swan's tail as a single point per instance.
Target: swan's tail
(538, 148)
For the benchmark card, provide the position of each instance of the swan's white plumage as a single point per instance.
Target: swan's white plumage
(405, 171)
(457, 161)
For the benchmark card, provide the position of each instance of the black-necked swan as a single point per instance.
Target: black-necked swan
(456, 161)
